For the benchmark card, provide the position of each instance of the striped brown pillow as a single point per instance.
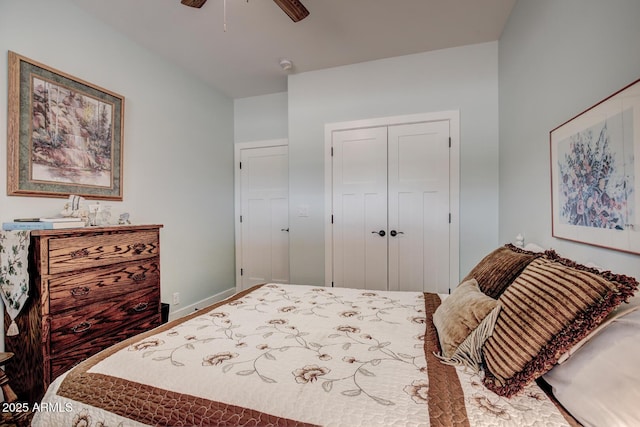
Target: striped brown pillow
(496, 271)
(551, 306)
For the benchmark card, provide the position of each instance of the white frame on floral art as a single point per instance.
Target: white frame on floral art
(594, 174)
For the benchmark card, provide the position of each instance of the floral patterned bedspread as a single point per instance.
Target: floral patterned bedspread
(289, 355)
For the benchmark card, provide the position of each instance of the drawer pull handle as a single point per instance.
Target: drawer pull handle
(80, 253)
(140, 277)
(82, 327)
(141, 306)
(138, 248)
(80, 291)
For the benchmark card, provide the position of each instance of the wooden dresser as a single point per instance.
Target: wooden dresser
(89, 288)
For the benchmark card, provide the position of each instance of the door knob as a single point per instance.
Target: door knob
(284, 229)
(394, 233)
(381, 233)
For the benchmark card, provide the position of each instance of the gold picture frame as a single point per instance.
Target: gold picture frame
(64, 135)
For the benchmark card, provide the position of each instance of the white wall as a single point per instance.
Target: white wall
(557, 58)
(261, 117)
(178, 140)
(464, 79)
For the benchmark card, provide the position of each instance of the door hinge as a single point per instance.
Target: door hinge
(449, 142)
(331, 219)
(449, 218)
(331, 151)
(332, 284)
(241, 162)
(240, 218)
(241, 271)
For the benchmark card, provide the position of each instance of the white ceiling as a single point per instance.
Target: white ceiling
(244, 60)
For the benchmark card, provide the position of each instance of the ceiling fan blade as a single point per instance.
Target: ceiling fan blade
(293, 8)
(193, 3)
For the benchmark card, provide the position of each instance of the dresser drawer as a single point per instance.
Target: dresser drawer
(73, 291)
(91, 322)
(79, 252)
(62, 362)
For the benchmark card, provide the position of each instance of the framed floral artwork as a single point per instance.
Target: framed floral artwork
(595, 160)
(64, 135)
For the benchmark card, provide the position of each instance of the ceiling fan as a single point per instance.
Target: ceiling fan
(293, 8)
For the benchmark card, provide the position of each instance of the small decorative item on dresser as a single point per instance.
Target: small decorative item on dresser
(93, 214)
(104, 215)
(74, 208)
(124, 218)
(99, 215)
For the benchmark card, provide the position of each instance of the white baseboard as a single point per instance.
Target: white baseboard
(176, 314)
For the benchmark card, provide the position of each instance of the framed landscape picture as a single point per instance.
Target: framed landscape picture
(595, 160)
(64, 135)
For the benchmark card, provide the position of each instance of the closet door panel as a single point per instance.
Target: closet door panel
(360, 208)
(419, 207)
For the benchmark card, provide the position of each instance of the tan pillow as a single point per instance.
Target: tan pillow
(551, 306)
(459, 314)
(496, 271)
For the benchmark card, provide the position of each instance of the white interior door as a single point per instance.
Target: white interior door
(264, 215)
(390, 201)
(360, 209)
(419, 206)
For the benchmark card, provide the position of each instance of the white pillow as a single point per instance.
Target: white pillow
(599, 385)
(532, 247)
(621, 310)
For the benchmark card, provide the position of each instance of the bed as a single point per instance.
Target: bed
(281, 354)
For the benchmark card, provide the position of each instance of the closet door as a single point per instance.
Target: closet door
(390, 201)
(418, 207)
(264, 227)
(360, 208)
